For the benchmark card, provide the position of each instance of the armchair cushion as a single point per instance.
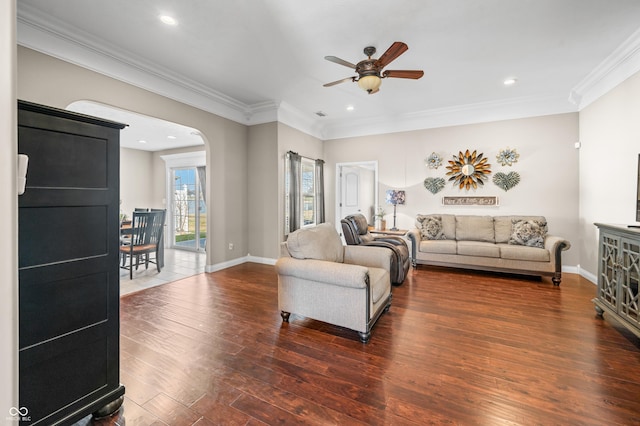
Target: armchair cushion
(320, 242)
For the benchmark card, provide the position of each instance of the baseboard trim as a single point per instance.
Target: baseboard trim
(263, 260)
(269, 261)
(239, 261)
(588, 275)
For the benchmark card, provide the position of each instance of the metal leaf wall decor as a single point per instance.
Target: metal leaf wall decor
(506, 181)
(433, 161)
(434, 185)
(507, 156)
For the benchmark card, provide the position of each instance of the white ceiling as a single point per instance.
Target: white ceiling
(257, 61)
(142, 132)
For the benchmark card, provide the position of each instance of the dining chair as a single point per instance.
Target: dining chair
(146, 239)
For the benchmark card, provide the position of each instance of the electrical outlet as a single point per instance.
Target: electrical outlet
(230, 246)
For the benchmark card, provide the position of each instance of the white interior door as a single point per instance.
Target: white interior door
(356, 190)
(350, 200)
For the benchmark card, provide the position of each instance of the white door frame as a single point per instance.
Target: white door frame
(187, 159)
(339, 166)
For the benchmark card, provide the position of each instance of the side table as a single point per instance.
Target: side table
(399, 232)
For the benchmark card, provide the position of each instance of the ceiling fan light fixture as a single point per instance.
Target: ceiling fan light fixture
(370, 83)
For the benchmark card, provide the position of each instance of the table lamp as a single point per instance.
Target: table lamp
(395, 197)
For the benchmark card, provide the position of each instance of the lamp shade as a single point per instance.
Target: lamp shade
(395, 197)
(370, 83)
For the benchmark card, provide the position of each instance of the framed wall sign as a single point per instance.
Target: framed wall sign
(470, 201)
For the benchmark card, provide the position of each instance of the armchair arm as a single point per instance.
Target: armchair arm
(375, 257)
(390, 239)
(341, 274)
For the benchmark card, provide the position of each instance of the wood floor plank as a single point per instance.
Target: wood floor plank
(457, 347)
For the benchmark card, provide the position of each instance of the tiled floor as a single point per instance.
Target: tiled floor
(178, 264)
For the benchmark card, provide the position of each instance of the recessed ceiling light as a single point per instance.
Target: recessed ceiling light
(350, 107)
(510, 81)
(142, 141)
(171, 137)
(169, 20)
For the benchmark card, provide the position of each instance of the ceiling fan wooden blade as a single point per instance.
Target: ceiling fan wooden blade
(344, 80)
(396, 49)
(340, 62)
(414, 74)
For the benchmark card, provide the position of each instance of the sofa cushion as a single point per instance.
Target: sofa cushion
(438, 246)
(504, 224)
(533, 254)
(475, 228)
(528, 233)
(478, 248)
(448, 224)
(320, 242)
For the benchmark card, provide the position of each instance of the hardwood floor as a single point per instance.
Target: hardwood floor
(457, 347)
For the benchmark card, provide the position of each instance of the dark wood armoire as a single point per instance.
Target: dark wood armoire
(68, 265)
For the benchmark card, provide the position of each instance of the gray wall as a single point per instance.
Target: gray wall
(548, 167)
(262, 193)
(49, 81)
(8, 211)
(136, 180)
(610, 137)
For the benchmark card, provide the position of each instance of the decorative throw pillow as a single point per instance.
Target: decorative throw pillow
(432, 228)
(528, 233)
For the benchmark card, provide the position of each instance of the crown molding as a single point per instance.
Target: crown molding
(482, 112)
(50, 36)
(54, 38)
(617, 67)
(293, 117)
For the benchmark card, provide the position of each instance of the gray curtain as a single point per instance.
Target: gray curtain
(295, 189)
(319, 169)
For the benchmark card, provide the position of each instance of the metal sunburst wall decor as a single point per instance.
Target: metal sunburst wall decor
(468, 170)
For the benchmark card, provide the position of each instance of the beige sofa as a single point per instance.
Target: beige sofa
(515, 244)
(319, 278)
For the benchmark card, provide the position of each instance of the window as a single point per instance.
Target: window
(304, 192)
(308, 193)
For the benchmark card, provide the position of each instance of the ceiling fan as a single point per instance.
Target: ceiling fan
(370, 72)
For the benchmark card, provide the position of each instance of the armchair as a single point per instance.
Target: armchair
(356, 232)
(319, 278)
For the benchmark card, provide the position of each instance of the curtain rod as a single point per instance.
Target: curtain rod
(302, 156)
